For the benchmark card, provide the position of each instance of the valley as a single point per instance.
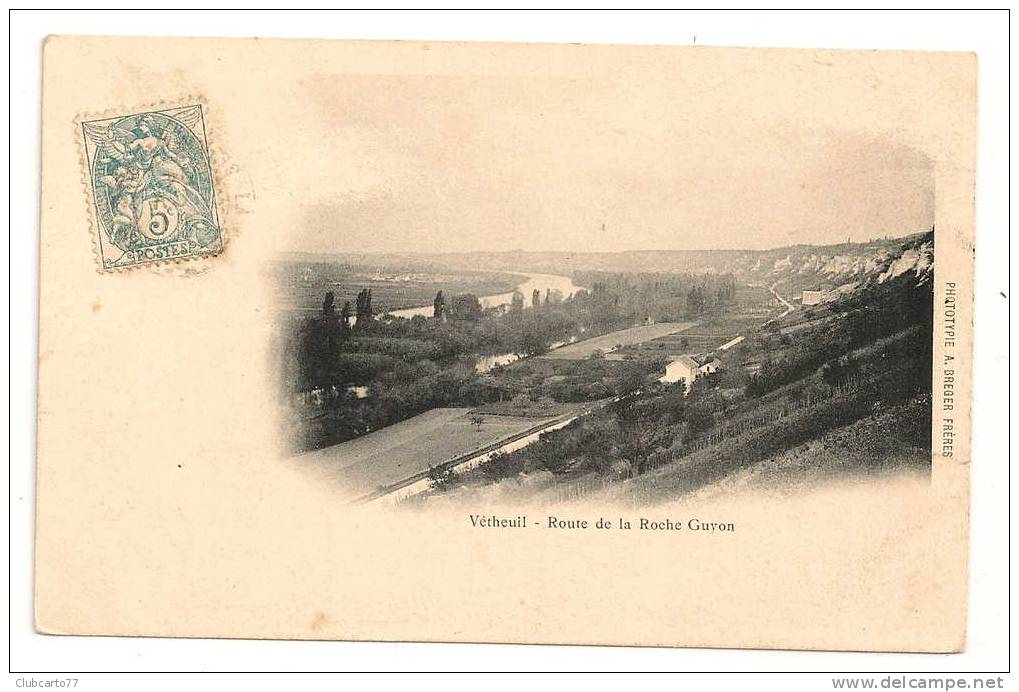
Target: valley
(567, 396)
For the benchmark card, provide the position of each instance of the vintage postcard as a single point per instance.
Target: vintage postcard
(570, 344)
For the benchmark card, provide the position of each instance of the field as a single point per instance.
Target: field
(409, 447)
(698, 338)
(754, 299)
(523, 407)
(301, 285)
(623, 337)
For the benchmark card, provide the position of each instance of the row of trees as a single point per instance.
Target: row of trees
(660, 297)
(316, 346)
(617, 300)
(466, 306)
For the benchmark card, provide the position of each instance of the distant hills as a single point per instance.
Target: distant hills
(839, 266)
(797, 267)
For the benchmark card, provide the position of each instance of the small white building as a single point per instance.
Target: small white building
(682, 369)
(812, 297)
(686, 369)
(729, 344)
(358, 391)
(709, 366)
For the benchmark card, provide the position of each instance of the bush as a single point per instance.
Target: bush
(440, 477)
(698, 420)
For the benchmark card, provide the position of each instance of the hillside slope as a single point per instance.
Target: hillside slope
(834, 391)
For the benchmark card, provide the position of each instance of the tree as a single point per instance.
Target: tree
(536, 299)
(698, 420)
(595, 445)
(839, 370)
(695, 301)
(465, 306)
(674, 403)
(364, 307)
(328, 305)
(345, 317)
(440, 477)
(320, 346)
(333, 329)
(439, 306)
(517, 302)
(477, 420)
(530, 340)
(641, 432)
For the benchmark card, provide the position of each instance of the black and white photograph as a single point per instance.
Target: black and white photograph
(547, 303)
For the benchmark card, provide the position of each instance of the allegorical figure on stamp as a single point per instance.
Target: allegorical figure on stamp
(152, 186)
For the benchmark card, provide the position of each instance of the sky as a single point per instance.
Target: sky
(728, 155)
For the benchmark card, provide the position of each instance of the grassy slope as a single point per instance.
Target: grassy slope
(871, 446)
(880, 443)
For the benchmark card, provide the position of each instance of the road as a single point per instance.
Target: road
(789, 307)
(398, 453)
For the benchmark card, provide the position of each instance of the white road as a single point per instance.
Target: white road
(789, 307)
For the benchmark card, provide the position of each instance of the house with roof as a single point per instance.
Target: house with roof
(688, 368)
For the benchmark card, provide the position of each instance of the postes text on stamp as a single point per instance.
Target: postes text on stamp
(150, 181)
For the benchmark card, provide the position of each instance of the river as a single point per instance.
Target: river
(486, 363)
(539, 282)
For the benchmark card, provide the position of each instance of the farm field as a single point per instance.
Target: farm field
(409, 447)
(699, 338)
(756, 299)
(807, 324)
(526, 408)
(624, 337)
(300, 286)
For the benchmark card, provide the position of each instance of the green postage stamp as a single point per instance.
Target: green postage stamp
(151, 186)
